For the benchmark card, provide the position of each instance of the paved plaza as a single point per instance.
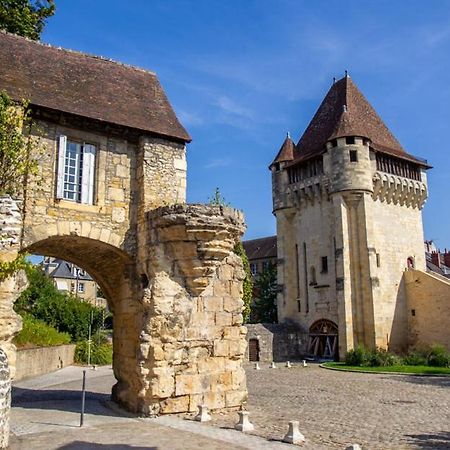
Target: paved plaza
(334, 409)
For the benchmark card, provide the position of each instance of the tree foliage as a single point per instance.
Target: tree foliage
(16, 147)
(266, 295)
(248, 281)
(62, 311)
(25, 17)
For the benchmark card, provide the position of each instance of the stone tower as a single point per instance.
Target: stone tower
(347, 200)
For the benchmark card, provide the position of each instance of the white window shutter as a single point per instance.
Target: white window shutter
(62, 144)
(87, 178)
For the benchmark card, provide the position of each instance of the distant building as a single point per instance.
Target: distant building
(69, 278)
(261, 253)
(437, 261)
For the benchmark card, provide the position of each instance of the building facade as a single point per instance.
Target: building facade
(348, 204)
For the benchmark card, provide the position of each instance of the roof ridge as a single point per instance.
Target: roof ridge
(79, 52)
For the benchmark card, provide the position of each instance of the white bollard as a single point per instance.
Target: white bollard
(257, 366)
(244, 423)
(293, 435)
(353, 447)
(304, 363)
(203, 414)
(288, 364)
(272, 365)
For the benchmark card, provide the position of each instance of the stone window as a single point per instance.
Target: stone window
(253, 269)
(312, 276)
(76, 167)
(80, 287)
(378, 260)
(410, 262)
(353, 155)
(324, 261)
(266, 265)
(350, 140)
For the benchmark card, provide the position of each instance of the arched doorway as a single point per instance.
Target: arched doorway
(253, 350)
(323, 339)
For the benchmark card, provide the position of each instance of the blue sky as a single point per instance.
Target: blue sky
(240, 73)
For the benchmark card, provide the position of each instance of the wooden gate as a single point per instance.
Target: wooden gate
(253, 350)
(323, 339)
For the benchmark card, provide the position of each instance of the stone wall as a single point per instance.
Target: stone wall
(192, 342)
(428, 309)
(277, 342)
(32, 362)
(5, 399)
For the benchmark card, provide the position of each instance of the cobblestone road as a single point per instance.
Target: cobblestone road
(334, 409)
(339, 408)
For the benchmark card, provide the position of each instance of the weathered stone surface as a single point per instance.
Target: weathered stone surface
(5, 399)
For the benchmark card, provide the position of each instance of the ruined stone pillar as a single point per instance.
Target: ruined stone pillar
(192, 342)
(5, 399)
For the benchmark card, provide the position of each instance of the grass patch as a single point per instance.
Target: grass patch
(36, 333)
(416, 370)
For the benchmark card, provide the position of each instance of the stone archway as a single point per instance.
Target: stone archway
(323, 339)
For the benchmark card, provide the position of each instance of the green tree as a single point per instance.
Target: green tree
(25, 17)
(17, 147)
(247, 295)
(64, 312)
(266, 295)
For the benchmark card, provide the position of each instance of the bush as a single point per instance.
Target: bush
(357, 357)
(62, 311)
(39, 334)
(100, 354)
(382, 358)
(415, 359)
(438, 356)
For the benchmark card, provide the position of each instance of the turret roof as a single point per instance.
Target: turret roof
(346, 112)
(286, 152)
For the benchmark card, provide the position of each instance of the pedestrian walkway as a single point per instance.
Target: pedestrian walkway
(46, 415)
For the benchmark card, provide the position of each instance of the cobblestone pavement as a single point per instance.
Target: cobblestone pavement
(334, 409)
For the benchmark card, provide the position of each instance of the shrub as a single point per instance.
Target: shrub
(381, 357)
(39, 334)
(100, 354)
(357, 357)
(438, 356)
(415, 359)
(62, 311)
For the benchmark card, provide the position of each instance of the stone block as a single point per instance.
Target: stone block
(190, 384)
(116, 194)
(224, 319)
(175, 405)
(213, 304)
(235, 398)
(221, 348)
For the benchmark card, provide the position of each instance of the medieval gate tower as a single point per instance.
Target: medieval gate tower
(347, 200)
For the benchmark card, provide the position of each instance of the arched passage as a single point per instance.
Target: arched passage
(113, 270)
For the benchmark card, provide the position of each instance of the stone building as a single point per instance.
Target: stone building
(69, 278)
(348, 204)
(261, 253)
(110, 197)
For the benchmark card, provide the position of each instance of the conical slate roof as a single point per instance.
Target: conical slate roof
(286, 152)
(346, 112)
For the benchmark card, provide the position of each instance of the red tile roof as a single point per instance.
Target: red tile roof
(346, 112)
(85, 85)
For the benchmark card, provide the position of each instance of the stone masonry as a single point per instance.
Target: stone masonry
(5, 399)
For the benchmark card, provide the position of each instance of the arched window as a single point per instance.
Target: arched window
(312, 276)
(410, 262)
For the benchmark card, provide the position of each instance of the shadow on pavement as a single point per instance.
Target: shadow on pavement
(424, 380)
(65, 400)
(433, 441)
(81, 445)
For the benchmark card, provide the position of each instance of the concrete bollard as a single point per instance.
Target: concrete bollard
(257, 366)
(203, 414)
(288, 364)
(272, 365)
(293, 435)
(304, 364)
(244, 423)
(353, 447)
(5, 400)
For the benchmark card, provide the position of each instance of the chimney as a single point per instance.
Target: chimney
(436, 259)
(447, 258)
